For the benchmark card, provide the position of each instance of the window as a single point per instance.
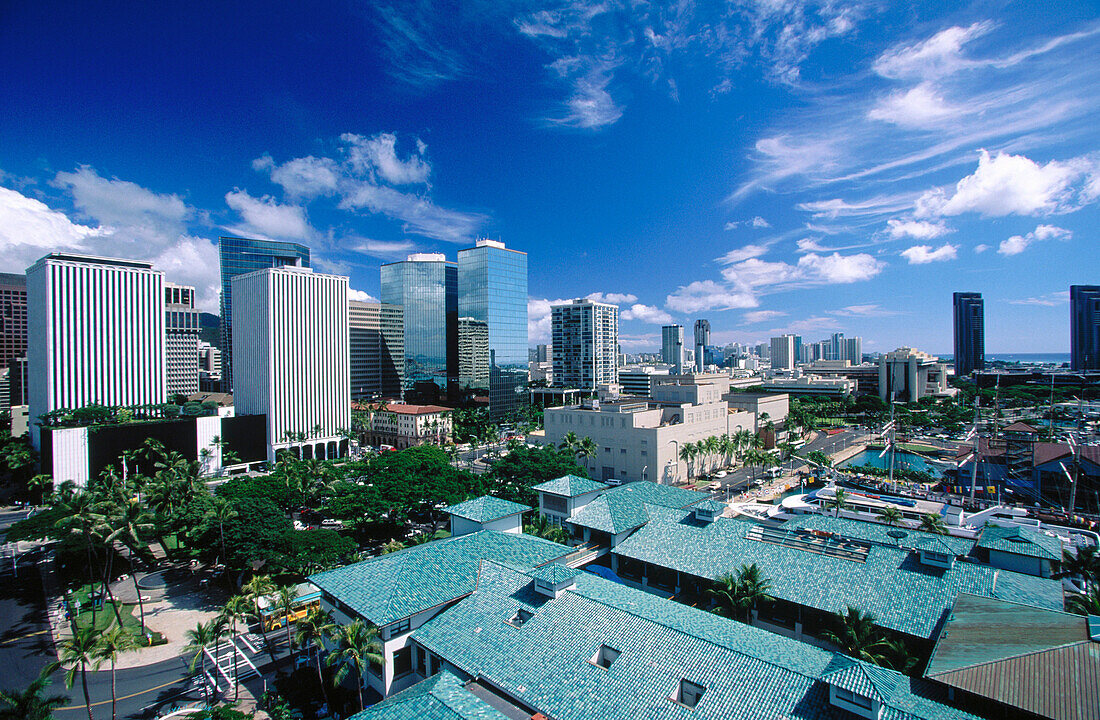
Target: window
(605, 656)
(520, 618)
(688, 693)
(553, 503)
(622, 451)
(400, 627)
(422, 662)
(850, 697)
(402, 661)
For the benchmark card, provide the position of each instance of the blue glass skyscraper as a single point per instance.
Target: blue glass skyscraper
(426, 287)
(238, 256)
(492, 324)
(969, 321)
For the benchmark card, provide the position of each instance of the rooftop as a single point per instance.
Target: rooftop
(385, 589)
(890, 583)
(1021, 541)
(441, 696)
(1042, 661)
(403, 409)
(570, 486)
(878, 533)
(623, 508)
(485, 509)
(554, 662)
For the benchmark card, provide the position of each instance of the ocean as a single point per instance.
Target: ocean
(1023, 358)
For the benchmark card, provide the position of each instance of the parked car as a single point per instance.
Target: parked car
(331, 524)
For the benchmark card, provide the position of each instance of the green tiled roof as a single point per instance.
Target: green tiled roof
(440, 697)
(891, 583)
(385, 589)
(1021, 541)
(554, 573)
(623, 508)
(570, 486)
(876, 532)
(485, 509)
(546, 664)
(933, 543)
(713, 505)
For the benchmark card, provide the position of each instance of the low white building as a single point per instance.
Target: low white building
(908, 375)
(486, 513)
(810, 385)
(401, 425)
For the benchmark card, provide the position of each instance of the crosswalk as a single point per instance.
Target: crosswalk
(232, 659)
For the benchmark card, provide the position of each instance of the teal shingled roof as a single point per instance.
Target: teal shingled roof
(623, 508)
(485, 509)
(747, 673)
(890, 583)
(1021, 541)
(440, 697)
(570, 486)
(876, 532)
(385, 589)
(554, 573)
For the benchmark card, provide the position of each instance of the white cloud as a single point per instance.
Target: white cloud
(708, 295)
(743, 253)
(646, 313)
(265, 216)
(758, 316)
(807, 325)
(917, 107)
(612, 298)
(1007, 184)
(1018, 243)
(386, 249)
(755, 222)
(590, 106)
(361, 296)
(871, 207)
(120, 202)
(539, 319)
(305, 177)
(759, 222)
(1049, 300)
(862, 311)
(30, 229)
(378, 155)
(916, 229)
(938, 56)
(837, 268)
(980, 248)
(923, 254)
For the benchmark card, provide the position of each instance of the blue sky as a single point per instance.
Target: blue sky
(771, 165)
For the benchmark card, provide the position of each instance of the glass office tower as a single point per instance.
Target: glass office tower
(969, 321)
(1084, 330)
(426, 287)
(238, 256)
(492, 322)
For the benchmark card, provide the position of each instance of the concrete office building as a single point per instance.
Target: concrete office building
(586, 339)
(1084, 329)
(292, 351)
(672, 347)
(237, 256)
(95, 334)
(638, 380)
(838, 348)
(702, 340)
(969, 322)
(181, 323)
(377, 336)
(854, 353)
(641, 439)
(544, 353)
(492, 312)
(908, 375)
(13, 317)
(425, 287)
(783, 351)
(210, 367)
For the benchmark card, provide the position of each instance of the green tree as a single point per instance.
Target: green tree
(357, 647)
(198, 639)
(1083, 563)
(587, 450)
(856, 635)
(286, 598)
(236, 608)
(524, 467)
(891, 516)
(76, 653)
(839, 501)
(260, 586)
(933, 524)
(112, 643)
(1084, 603)
(30, 704)
(540, 526)
(819, 458)
(220, 514)
(738, 595)
(311, 632)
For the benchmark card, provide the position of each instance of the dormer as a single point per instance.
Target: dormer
(934, 552)
(553, 579)
(859, 688)
(709, 510)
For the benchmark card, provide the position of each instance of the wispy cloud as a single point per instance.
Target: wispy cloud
(613, 298)
(866, 311)
(758, 316)
(1049, 300)
(1018, 243)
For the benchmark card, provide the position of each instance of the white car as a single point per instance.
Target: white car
(721, 474)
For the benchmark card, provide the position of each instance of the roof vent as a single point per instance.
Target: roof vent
(554, 579)
(688, 693)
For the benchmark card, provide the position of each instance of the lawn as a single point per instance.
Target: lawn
(105, 617)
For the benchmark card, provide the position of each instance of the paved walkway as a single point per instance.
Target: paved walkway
(171, 616)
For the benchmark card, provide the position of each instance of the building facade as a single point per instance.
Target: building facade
(237, 256)
(672, 347)
(639, 380)
(492, 325)
(13, 317)
(292, 349)
(181, 329)
(907, 375)
(586, 339)
(702, 340)
(969, 322)
(1084, 338)
(95, 334)
(377, 336)
(210, 367)
(783, 351)
(425, 287)
(401, 426)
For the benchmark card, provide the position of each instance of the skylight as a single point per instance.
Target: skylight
(520, 617)
(689, 693)
(605, 656)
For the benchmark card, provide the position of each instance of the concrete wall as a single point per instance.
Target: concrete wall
(510, 524)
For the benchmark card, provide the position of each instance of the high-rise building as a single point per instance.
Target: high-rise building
(1084, 330)
(13, 317)
(672, 347)
(543, 353)
(377, 337)
(210, 367)
(783, 352)
(238, 256)
(95, 334)
(291, 345)
(585, 338)
(492, 325)
(855, 350)
(425, 287)
(838, 349)
(969, 322)
(181, 323)
(702, 339)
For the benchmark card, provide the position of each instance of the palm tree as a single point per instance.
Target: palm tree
(221, 513)
(587, 449)
(256, 588)
(198, 638)
(891, 516)
(724, 592)
(40, 486)
(1084, 603)
(856, 635)
(687, 454)
(29, 704)
(76, 653)
(313, 630)
(357, 647)
(1084, 563)
(540, 526)
(80, 518)
(840, 499)
(286, 597)
(933, 524)
(743, 440)
(712, 446)
(130, 521)
(895, 655)
(236, 608)
(751, 589)
(111, 644)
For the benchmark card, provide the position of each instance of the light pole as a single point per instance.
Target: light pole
(675, 459)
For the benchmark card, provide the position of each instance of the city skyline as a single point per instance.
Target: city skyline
(812, 168)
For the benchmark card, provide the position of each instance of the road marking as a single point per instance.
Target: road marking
(122, 697)
(23, 637)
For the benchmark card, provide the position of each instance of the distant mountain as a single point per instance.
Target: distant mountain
(210, 329)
